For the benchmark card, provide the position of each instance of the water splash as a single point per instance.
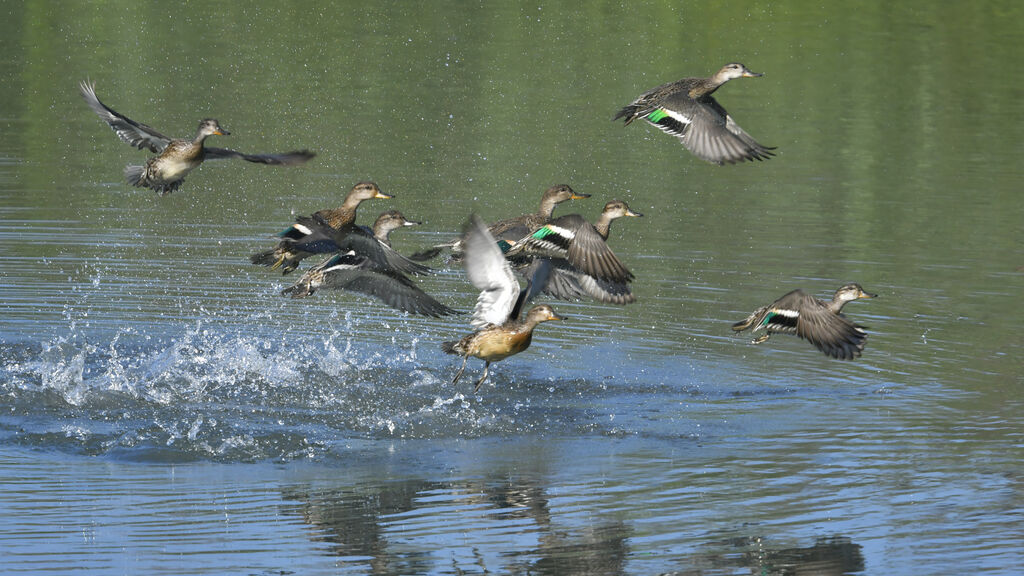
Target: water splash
(219, 393)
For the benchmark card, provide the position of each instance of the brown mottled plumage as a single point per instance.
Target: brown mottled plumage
(322, 233)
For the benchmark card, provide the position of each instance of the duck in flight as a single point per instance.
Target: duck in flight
(582, 245)
(510, 229)
(334, 230)
(175, 157)
(571, 234)
(500, 333)
(360, 273)
(819, 322)
(686, 109)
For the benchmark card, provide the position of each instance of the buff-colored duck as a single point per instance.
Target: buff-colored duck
(500, 333)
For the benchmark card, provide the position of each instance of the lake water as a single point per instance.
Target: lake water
(163, 410)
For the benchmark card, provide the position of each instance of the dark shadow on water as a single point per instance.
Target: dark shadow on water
(400, 527)
(829, 556)
(373, 526)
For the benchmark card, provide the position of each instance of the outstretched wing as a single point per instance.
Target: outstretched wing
(707, 130)
(286, 159)
(382, 255)
(490, 273)
(128, 130)
(591, 254)
(832, 333)
(573, 238)
(401, 295)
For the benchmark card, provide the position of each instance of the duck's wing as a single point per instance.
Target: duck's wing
(755, 150)
(304, 226)
(311, 234)
(566, 283)
(648, 101)
(562, 283)
(363, 242)
(589, 253)
(135, 133)
(549, 241)
(753, 321)
(537, 274)
(313, 278)
(605, 290)
(573, 238)
(286, 159)
(706, 130)
(780, 316)
(832, 333)
(490, 273)
(353, 272)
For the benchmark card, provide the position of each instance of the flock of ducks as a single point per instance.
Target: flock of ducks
(565, 258)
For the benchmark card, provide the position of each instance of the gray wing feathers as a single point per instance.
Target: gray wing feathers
(285, 159)
(490, 273)
(128, 130)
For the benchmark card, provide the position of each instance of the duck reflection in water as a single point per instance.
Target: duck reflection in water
(382, 522)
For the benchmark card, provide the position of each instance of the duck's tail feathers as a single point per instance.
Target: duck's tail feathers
(450, 347)
(628, 112)
(135, 175)
(748, 321)
(299, 290)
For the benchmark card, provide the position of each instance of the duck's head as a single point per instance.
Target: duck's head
(851, 292)
(542, 313)
(391, 220)
(366, 191)
(618, 209)
(210, 127)
(735, 70)
(394, 219)
(562, 192)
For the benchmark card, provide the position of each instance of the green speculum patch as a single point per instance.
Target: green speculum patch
(657, 115)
